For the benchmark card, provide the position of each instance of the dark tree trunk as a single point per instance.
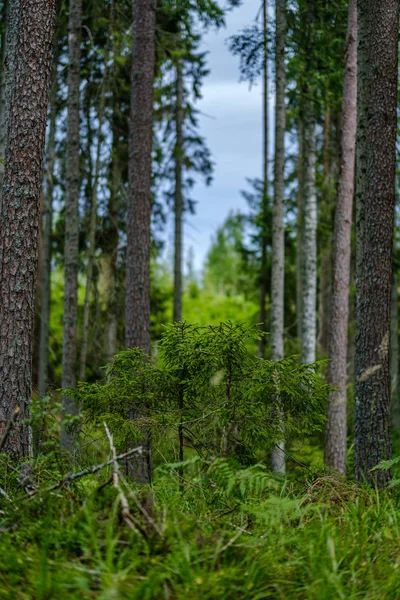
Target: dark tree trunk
(336, 429)
(139, 201)
(3, 94)
(376, 162)
(178, 194)
(71, 252)
(394, 347)
(265, 200)
(29, 65)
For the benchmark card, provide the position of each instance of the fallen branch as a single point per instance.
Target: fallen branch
(73, 476)
(126, 513)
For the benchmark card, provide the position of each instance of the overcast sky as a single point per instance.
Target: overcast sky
(231, 124)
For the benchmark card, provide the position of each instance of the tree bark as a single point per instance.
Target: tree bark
(178, 193)
(336, 429)
(29, 64)
(3, 94)
(300, 227)
(394, 349)
(139, 201)
(378, 24)
(71, 252)
(265, 201)
(278, 227)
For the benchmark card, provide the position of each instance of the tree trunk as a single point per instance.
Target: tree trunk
(394, 349)
(300, 227)
(47, 234)
(376, 164)
(336, 429)
(265, 202)
(29, 65)
(71, 253)
(139, 201)
(278, 228)
(309, 240)
(178, 193)
(93, 210)
(3, 94)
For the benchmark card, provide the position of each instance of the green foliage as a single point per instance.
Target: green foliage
(206, 383)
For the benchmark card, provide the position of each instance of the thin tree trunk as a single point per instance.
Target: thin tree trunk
(265, 201)
(139, 199)
(278, 227)
(139, 202)
(71, 253)
(93, 211)
(394, 348)
(47, 234)
(29, 64)
(300, 227)
(336, 429)
(378, 28)
(178, 193)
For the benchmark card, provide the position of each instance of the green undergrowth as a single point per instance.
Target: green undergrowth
(224, 532)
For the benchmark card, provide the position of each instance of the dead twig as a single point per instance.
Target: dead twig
(126, 513)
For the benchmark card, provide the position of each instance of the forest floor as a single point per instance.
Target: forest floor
(226, 532)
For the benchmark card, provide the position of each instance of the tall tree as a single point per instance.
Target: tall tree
(265, 200)
(139, 202)
(336, 430)
(394, 343)
(278, 228)
(29, 64)
(139, 197)
(178, 212)
(71, 251)
(378, 24)
(309, 218)
(3, 41)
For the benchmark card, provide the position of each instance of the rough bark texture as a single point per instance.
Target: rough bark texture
(29, 66)
(376, 154)
(278, 228)
(71, 251)
(265, 201)
(3, 96)
(178, 194)
(336, 429)
(139, 201)
(394, 352)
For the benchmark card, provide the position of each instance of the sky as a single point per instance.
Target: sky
(232, 126)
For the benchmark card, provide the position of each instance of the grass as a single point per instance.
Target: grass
(229, 533)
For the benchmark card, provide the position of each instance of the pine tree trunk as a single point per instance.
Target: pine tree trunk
(71, 253)
(29, 63)
(336, 429)
(47, 234)
(278, 227)
(178, 194)
(378, 24)
(265, 200)
(394, 351)
(139, 201)
(3, 95)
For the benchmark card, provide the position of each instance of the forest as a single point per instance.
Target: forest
(190, 410)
